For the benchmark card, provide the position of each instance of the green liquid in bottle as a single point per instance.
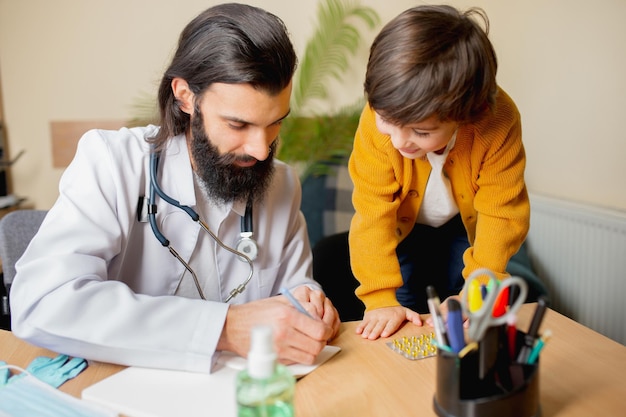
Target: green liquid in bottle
(269, 391)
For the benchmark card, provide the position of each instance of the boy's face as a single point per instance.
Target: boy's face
(415, 140)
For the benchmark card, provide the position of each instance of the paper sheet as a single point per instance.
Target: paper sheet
(143, 392)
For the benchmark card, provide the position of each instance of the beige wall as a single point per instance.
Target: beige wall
(563, 61)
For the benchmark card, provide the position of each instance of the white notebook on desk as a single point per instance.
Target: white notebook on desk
(143, 392)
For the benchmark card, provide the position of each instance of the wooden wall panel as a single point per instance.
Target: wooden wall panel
(65, 136)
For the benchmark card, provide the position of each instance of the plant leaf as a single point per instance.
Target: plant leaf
(326, 54)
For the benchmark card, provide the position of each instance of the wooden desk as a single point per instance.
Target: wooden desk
(17, 352)
(581, 374)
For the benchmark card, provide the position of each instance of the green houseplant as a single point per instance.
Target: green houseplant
(318, 143)
(310, 139)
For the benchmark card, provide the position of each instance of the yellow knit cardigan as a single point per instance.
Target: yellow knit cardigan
(486, 172)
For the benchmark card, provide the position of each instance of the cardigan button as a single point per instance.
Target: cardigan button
(413, 193)
(404, 219)
(398, 232)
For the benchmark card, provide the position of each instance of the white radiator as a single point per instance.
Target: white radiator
(579, 251)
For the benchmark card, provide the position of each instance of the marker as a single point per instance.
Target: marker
(502, 301)
(435, 313)
(284, 291)
(474, 296)
(531, 336)
(455, 325)
(511, 332)
(534, 355)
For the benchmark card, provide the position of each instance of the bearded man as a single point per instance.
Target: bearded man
(98, 280)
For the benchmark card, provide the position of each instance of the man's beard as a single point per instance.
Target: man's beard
(221, 178)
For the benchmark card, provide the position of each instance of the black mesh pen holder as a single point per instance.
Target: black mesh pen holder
(485, 382)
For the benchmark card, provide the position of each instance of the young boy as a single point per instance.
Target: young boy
(437, 165)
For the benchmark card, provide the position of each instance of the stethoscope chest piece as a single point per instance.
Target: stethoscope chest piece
(247, 246)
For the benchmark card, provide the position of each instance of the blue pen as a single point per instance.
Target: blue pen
(455, 326)
(284, 291)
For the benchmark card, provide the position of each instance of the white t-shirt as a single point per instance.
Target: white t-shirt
(438, 206)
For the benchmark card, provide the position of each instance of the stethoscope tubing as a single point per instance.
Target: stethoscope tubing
(155, 189)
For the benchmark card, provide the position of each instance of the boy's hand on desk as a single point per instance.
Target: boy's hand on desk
(297, 338)
(384, 322)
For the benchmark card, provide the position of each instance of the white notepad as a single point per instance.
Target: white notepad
(144, 392)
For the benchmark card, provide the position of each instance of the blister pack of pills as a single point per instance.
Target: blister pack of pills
(415, 347)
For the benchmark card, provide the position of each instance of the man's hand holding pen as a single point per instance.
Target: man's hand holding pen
(315, 304)
(298, 338)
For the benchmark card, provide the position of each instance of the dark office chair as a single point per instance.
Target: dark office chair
(17, 228)
(331, 269)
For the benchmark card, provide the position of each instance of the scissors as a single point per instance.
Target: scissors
(483, 318)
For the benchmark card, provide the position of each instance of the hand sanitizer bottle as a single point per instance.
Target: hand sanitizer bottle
(265, 388)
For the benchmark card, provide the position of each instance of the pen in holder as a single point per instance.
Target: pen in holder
(485, 382)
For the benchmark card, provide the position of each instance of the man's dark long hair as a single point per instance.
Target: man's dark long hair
(229, 43)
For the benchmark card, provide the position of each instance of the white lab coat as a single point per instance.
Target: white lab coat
(96, 283)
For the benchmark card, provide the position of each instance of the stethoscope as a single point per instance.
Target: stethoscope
(246, 248)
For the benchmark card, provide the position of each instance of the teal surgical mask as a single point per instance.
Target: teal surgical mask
(27, 396)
